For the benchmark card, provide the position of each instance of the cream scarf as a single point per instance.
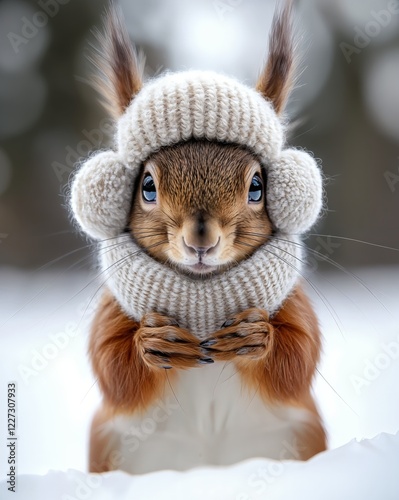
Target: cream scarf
(141, 284)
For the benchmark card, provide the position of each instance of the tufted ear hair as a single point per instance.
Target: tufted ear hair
(101, 195)
(119, 65)
(294, 191)
(277, 76)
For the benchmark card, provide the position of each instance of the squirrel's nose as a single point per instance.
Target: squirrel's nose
(200, 251)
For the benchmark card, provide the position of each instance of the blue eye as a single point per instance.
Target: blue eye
(255, 189)
(148, 189)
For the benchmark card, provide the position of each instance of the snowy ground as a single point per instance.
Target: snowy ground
(43, 325)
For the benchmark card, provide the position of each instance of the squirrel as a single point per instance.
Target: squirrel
(204, 343)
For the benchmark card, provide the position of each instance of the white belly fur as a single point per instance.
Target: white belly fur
(205, 417)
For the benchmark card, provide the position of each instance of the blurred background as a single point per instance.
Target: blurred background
(346, 110)
(347, 104)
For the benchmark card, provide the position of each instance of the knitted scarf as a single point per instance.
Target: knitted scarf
(168, 110)
(141, 284)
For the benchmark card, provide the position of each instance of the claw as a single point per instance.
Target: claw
(228, 322)
(205, 361)
(208, 343)
(243, 350)
(246, 350)
(166, 367)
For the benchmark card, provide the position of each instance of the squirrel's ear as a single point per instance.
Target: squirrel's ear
(277, 76)
(120, 67)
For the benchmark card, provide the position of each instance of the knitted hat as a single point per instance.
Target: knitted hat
(168, 110)
(201, 105)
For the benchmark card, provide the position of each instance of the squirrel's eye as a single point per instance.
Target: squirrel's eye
(149, 191)
(255, 189)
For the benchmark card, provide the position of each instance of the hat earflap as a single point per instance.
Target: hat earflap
(101, 195)
(294, 191)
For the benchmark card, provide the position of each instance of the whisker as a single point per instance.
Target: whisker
(253, 397)
(148, 236)
(322, 276)
(120, 262)
(57, 259)
(217, 381)
(84, 288)
(172, 220)
(245, 244)
(173, 392)
(145, 231)
(315, 288)
(333, 263)
(61, 257)
(343, 269)
(74, 265)
(89, 389)
(336, 392)
(255, 235)
(126, 257)
(355, 241)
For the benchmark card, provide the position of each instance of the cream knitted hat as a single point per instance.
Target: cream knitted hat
(200, 105)
(168, 110)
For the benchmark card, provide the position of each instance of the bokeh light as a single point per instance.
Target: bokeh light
(22, 99)
(23, 53)
(381, 83)
(5, 172)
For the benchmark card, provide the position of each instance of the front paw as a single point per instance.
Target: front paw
(247, 335)
(163, 344)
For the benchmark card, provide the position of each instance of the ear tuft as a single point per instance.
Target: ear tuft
(120, 67)
(277, 77)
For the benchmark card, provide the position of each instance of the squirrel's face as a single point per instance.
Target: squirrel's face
(200, 206)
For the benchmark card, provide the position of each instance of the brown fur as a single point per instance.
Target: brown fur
(276, 356)
(120, 67)
(202, 190)
(201, 179)
(127, 356)
(277, 77)
(125, 380)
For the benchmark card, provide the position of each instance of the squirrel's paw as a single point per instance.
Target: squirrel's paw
(244, 336)
(163, 344)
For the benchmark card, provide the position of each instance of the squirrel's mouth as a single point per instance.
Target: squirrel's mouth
(201, 268)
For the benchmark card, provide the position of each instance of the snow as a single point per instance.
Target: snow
(44, 319)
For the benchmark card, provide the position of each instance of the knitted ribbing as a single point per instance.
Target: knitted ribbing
(141, 284)
(169, 110)
(200, 105)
